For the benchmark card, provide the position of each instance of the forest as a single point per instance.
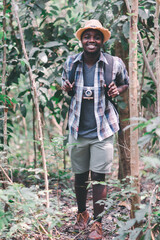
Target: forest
(37, 197)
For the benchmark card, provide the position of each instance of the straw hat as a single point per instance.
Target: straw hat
(94, 24)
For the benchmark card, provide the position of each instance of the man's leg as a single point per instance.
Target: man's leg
(81, 196)
(81, 190)
(99, 193)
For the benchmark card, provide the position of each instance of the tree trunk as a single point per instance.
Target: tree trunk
(33, 83)
(157, 54)
(123, 136)
(133, 96)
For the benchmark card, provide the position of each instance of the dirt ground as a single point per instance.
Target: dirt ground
(67, 206)
(69, 210)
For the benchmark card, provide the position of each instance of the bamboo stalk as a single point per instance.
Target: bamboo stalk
(33, 83)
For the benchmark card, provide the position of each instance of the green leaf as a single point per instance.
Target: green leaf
(54, 7)
(50, 105)
(1, 34)
(8, 101)
(144, 14)
(42, 80)
(22, 93)
(126, 29)
(52, 44)
(53, 87)
(69, 12)
(69, 32)
(151, 161)
(158, 132)
(43, 90)
(148, 235)
(58, 96)
(43, 57)
(140, 214)
(135, 233)
(130, 223)
(42, 99)
(2, 97)
(33, 51)
(24, 62)
(144, 139)
(14, 100)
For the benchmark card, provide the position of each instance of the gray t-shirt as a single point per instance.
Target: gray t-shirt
(88, 125)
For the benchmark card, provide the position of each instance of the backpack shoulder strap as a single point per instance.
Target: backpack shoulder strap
(73, 70)
(108, 69)
(72, 75)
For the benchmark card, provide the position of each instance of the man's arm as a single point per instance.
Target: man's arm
(114, 91)
(121, 82)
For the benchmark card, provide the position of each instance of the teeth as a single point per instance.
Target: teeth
(91, 46)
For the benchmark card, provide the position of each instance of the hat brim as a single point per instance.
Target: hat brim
(106, 33)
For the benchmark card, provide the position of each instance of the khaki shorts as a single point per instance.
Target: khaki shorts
(91, 154)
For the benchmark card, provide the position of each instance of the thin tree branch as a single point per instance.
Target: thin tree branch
(4, 82)
(146, 60)
(33, 82)
(157, 54)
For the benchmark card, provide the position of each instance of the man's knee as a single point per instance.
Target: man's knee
(97, 176)
(81, 179)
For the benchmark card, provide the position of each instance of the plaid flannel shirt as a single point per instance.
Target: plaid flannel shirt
(106, 115)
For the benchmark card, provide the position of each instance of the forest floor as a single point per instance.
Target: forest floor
(69, 210)
(67, 206)
(63, 204)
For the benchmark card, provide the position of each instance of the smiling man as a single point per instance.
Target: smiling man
(92, 78)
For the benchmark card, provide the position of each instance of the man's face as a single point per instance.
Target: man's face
(92, 41)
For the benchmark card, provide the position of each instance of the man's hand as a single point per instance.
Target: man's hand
(113, 90)
(67, 87)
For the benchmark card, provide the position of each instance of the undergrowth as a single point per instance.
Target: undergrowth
(23, 213)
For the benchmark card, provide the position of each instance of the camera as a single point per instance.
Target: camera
(88, 93)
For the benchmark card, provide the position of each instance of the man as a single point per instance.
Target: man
(93, 120)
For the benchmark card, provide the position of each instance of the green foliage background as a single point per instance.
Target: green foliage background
(49, 28)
